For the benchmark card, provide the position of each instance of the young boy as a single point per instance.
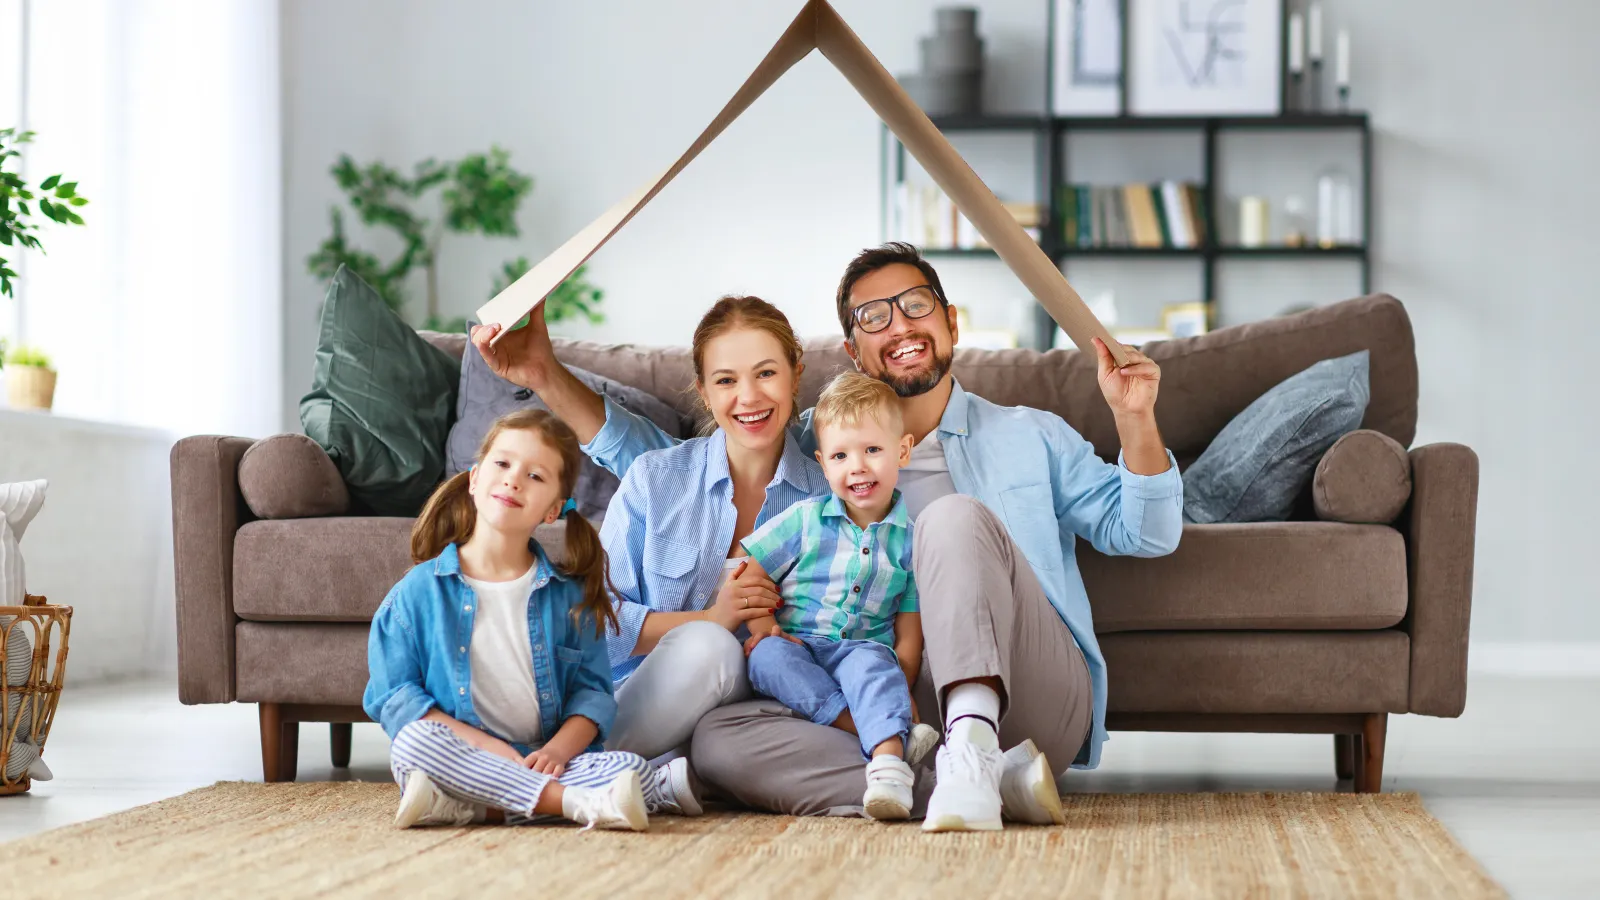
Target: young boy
(847, 643)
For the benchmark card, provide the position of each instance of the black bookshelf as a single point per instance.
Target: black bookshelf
(1050, 135)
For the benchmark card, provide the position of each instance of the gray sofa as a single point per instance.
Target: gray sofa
(1301, 626)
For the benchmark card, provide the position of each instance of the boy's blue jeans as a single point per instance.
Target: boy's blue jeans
(823, 677)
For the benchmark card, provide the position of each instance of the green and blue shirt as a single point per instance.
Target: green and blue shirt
(838, 580)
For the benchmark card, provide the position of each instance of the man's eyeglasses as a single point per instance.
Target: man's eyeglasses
(875, 315)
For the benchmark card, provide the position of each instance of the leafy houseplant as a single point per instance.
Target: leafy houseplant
(56, 200)
(479, 194)
(30, 381)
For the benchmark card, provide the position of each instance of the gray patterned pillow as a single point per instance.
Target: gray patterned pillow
(1260, 463)
(484, 396)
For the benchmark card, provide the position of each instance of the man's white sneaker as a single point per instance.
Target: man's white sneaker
(422, 803)
(967, 797)
(889, 782)
(674, 791)
(920, 743)
(619, 805)
(1028, 791)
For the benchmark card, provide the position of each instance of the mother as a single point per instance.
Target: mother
(674, 526)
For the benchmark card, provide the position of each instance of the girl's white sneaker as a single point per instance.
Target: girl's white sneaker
(422, 803)
(889, 782)
(618, 806)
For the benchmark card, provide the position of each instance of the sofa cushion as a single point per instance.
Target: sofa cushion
(334, 569)
(1285, 576)
(484, 397)
(1364, 477)
(381, 400)
(1257, 672)
(288, 476)
(283, 662)
(1262, 461)
(1205, 380)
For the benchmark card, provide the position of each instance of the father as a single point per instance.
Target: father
(999, 494)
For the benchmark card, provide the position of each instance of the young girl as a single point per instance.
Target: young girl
(487, 662)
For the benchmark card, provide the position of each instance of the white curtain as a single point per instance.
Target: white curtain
(165, 309)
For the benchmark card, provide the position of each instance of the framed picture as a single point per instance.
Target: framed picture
(1205, 57)
(1086, 57)
(1183, 320)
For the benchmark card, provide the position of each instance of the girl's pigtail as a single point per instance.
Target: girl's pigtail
(586, 559)
(448, 519)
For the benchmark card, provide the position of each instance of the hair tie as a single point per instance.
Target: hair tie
(569, 506)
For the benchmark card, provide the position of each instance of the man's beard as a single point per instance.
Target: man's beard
(915, 384)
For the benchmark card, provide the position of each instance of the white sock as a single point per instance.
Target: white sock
(972, 700)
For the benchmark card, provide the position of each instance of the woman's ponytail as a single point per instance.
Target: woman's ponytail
(586, 559)
(448, 519)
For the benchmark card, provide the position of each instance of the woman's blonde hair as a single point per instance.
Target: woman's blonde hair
(450, 515)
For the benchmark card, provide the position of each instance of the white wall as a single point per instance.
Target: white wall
(1486, 133)
(102, 543)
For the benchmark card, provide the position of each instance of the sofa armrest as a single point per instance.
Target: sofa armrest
(207, 511)
(1440, 529)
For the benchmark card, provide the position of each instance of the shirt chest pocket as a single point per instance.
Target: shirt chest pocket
(669, 567)
(568, 661)
(1031, 519)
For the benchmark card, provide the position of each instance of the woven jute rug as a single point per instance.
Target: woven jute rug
(245, 839)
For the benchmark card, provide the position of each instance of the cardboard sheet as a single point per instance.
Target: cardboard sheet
(819, 27)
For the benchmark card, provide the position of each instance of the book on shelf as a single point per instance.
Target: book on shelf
(1166, 214)
(926, 217)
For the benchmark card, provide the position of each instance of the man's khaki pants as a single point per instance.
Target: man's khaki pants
(983, 614)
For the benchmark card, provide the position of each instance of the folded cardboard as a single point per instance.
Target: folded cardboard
(819, 27)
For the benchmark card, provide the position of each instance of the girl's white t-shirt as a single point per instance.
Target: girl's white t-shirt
(501, 655)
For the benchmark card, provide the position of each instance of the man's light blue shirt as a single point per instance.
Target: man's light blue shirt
(1036, 473)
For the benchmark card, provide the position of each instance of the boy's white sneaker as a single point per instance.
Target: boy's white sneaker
(920, 743)
(889, 782)
(619, 805)
(967, 797)
(422, 803)
(1028, 791)
(674, 789)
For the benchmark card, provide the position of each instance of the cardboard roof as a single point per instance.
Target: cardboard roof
(819, 27)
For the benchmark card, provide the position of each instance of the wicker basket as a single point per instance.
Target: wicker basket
(44, 625)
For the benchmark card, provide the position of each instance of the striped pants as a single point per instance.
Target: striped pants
(487, 779)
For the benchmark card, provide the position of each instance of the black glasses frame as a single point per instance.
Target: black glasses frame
(896, 302)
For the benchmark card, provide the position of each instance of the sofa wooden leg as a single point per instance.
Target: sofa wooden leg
(1344, 756)
(1369, 769)
(271, 741)
(280, 744)
(339, 735)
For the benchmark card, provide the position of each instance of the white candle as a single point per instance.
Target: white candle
(1296, 44)
(1341, 60)
(1314, 33)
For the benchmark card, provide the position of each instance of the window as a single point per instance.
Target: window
(13, 60)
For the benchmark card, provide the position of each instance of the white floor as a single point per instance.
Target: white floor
(1516, 779)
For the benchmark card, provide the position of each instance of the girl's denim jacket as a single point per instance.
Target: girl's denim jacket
(417, 654)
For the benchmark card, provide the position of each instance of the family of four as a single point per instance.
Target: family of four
(769, 613)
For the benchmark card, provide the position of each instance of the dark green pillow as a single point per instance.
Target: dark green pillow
(381, 400)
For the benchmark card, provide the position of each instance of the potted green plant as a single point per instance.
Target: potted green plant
(56, 200)
(479, 194)
(30, 381)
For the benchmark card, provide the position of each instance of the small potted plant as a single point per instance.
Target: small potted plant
(30, 381)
